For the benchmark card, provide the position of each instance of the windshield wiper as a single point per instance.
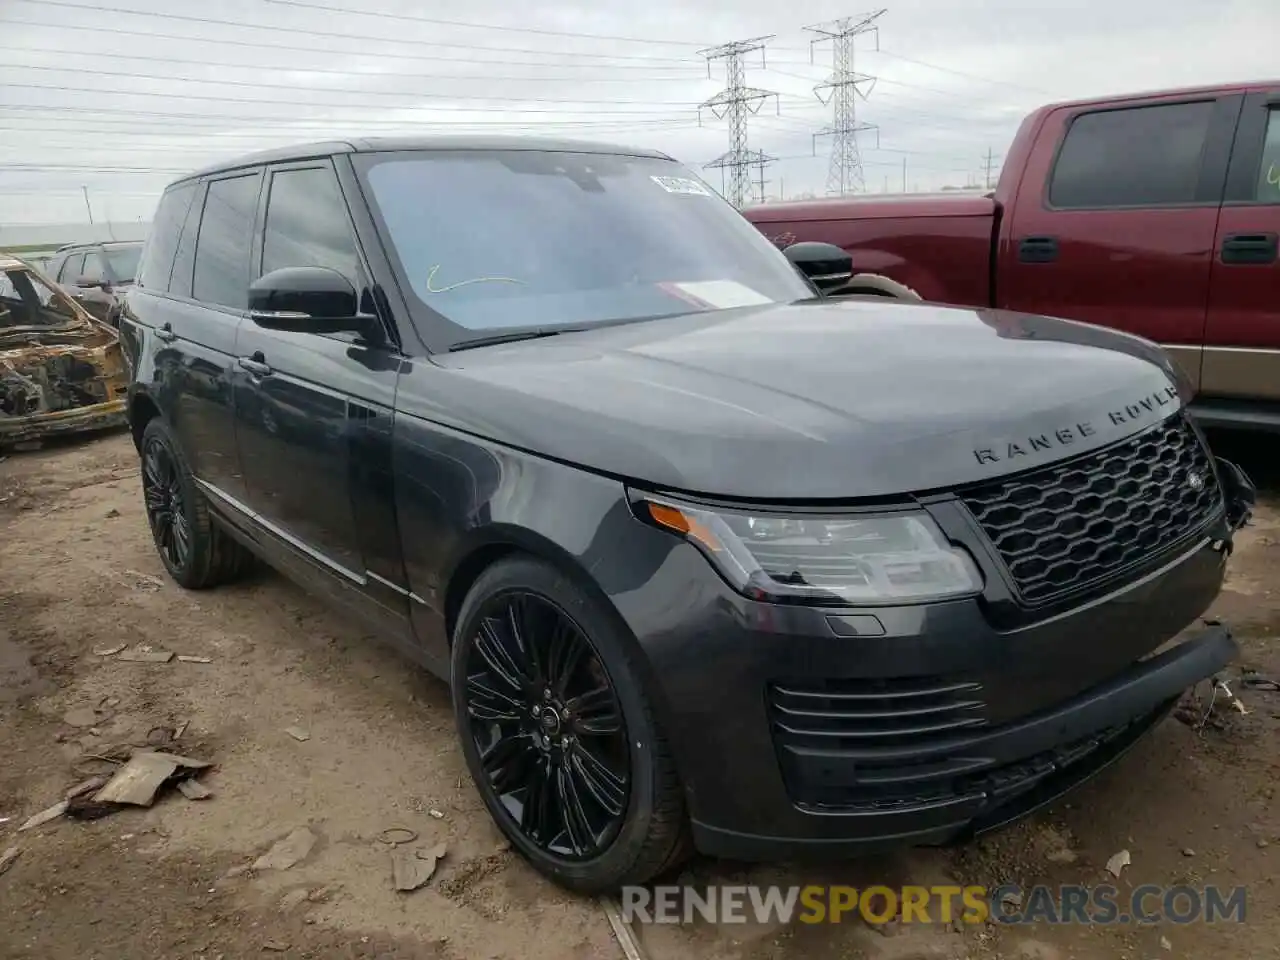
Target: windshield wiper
(511, 337)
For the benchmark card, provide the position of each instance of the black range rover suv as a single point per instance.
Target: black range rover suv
(709, 560)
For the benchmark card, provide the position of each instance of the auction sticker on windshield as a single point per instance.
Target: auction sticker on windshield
(682, 185)
(716, 294)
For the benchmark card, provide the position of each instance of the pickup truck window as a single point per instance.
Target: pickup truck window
(72, 269)
(92, 266)
(1142, 156)
(504, 239)
(1269, 172)
(222, 259)
(162, 243)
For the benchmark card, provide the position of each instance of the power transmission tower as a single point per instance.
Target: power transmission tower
(989, 163)
(842, 89)
(737, 102)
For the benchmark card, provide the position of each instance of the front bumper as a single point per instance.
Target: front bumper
(803, 731)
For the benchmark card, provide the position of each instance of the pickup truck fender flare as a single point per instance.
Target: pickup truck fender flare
(875, 285)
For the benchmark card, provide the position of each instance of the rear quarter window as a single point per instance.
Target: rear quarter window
(162, 240)
(1142, 156)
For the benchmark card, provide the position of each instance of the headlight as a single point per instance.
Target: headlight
(853, 559)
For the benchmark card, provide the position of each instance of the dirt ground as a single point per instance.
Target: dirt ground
(78, 573)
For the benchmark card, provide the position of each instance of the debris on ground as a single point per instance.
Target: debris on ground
(108, 651)
(436, 814)
(190, 659)
(1118, 862)
(395, 836)
(45, 816)
(287, 852)
(412, 868)
(91, 785)
(275, 946)
(145, 655)
(140, 779)
(7, 858)
(298, 734)
(193, 789)
(145, 580)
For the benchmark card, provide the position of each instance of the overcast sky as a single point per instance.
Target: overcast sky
(95, 96)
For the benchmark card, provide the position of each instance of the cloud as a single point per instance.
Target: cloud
(120, 103)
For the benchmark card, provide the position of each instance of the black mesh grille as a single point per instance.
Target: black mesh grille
(1083, 521)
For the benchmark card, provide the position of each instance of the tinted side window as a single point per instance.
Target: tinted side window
(307, 224)
(162, 240)
(92, 266)
(1146, 156)
(1269, 172)
(223, 243)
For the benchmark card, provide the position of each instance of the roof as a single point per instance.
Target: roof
(98, 243)
(307, 151)
(9, 263)
(1173, 93)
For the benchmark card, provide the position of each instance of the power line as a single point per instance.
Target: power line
(844, 88)
(383, 15)
(381, 55)
(989, 162)
(597, 78)
(287, 86)
(61, 88)
(340, 35)
(736, 102)
(961, 73)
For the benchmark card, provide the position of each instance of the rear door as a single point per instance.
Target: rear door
(1115, 219)
(1242, 339)
(314, 412)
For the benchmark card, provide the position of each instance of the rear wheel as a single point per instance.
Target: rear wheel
(196, 552)
(558, 734)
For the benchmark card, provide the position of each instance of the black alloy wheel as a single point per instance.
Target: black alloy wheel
(558, 731)
(165, 504)
(196, 552)
(547, 725)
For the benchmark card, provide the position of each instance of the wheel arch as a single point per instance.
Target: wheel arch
(142, 410)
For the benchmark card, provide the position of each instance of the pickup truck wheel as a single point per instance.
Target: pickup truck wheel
(196, 553)
(558, 733)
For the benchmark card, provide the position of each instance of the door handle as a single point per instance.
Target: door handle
(165, 332)
(256, 364)
(1038, 249)
(1250, 248)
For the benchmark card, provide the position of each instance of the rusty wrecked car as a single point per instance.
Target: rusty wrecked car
(61, 370)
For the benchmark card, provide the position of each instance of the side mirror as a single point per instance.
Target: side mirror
(826, 265)
(91, 282)
(306, 300)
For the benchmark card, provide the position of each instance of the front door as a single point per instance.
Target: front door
(1115, 219)
(314, 412)
(1242, 339)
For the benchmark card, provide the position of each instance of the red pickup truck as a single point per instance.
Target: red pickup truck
(1157, 214)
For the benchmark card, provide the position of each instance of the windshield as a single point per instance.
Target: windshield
(27, 301)
(515, 239)
(123, 262)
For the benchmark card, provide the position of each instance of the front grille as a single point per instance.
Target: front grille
(1084, 521)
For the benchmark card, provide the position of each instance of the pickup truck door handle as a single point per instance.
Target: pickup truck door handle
(1250, 248)
(1038, 249)
(165, 332)
(256, 364)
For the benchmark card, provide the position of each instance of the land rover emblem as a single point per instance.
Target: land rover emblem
(1195, 481)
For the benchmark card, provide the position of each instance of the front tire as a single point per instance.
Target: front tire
(196, 553)
(558, 734)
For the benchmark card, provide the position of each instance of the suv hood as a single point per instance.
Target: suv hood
(807, 401)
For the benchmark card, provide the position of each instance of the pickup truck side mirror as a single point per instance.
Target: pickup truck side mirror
(826, 265)
(307, 300)
(90, 282)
